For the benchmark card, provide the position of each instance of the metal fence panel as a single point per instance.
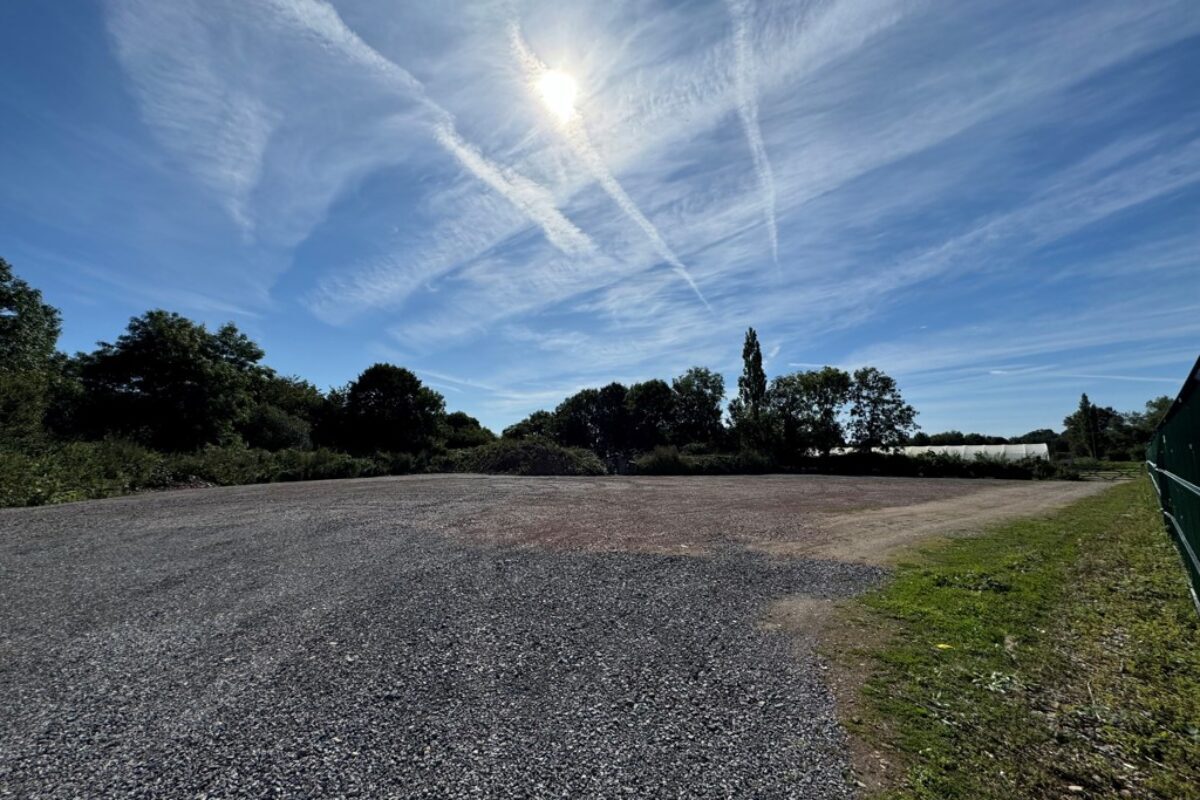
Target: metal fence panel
(1174, 464)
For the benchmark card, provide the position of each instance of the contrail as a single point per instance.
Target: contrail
(579, 140)
(532, 198)
(322, 21)
(747, 103)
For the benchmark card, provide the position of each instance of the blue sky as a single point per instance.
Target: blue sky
(998, 203)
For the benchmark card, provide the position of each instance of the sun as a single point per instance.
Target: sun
(558, 90)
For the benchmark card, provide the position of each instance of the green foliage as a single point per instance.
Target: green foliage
(169, 383)
(29, 328)
(596, 420)
(203, 398)
(958, 437)
(23, 400)
(1088, 429)
(752, 421)
(521, 457)
(651, 413)
(699, 394)
(78, 471)
(538, 425)
(879, 417)
(1047, 654)
(462, 430)
(231, 466)
(670, 461)
(809, 406)
(387, 409)
(271, 428)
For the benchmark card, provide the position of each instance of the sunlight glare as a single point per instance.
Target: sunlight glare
(558, 90)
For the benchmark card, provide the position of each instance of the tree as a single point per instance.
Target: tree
(462, 430)
(1141, 424)
(612, 423)
(272, 428)
(652, 412)
(699, 394)
(538, 425)
(1089, 429)
(29, 331)
(170, 383)
(388, 409)
(809, 407)
(748, 410)
(879, 417)
(1039, 436)
(29, 328)
(575, 420)
(596, 420)
(284, 413)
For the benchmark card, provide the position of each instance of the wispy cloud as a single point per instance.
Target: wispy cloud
(747, 103)
(577, 134)
(965, 184)
(220, 130)
(323, 20)
(535, 200)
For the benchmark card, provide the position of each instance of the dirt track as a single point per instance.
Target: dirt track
(864, 520)
(448, 636)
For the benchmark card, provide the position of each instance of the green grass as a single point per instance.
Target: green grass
(1049, 658)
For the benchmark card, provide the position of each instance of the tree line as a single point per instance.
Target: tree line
(783, 419)
(172, 385)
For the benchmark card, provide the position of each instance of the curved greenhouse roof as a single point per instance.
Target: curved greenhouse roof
(969, 452)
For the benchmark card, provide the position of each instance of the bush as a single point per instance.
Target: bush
(231, 466)
(77, 471)
(669, 461)
(521, 457)
(272, 428)
(661, 461)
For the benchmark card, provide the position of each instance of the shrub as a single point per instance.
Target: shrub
(521, 457)
(230, 466)
(77, 471)
(661, 461)
(272, 428)
(669, 461)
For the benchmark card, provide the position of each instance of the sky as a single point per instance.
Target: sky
(997, 203)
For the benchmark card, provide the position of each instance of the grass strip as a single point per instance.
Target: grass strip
(1054, 657)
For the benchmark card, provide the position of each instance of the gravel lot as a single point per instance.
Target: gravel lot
(427, 637)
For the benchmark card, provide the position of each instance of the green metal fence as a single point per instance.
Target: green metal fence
(1173, 459)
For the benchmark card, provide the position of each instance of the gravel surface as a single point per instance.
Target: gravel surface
(363, 638)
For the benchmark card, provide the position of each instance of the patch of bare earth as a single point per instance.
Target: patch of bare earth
(875, 536)
(842, 518)
(688, 515)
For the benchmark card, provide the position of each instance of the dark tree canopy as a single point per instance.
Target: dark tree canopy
(652, 414)
(752, 384)
(460, 429)
(29, 328)
(388, 409)
(879, 417)
(170, 383)
(612, 421)
(575, 420)
(699, 395)
(748, 411)
(284, 413)
(808, 407)
(1091, 429)
(538, 425)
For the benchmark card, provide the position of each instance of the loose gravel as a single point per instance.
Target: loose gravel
(355, 638)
